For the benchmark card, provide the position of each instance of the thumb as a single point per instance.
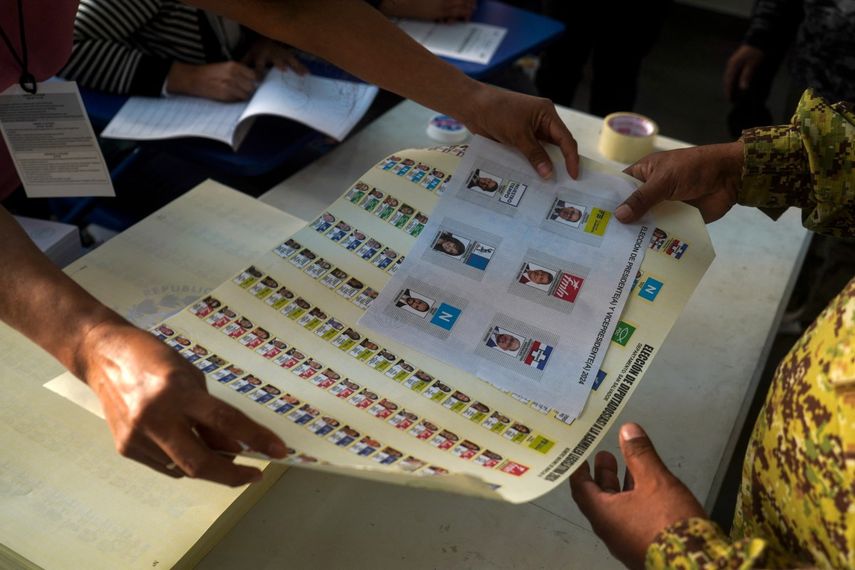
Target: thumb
(640, 455)
(536, 155)
(645, 197)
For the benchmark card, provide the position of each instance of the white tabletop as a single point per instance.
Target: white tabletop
(692, 401)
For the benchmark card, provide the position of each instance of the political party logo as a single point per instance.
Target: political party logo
(623, 332)
(445, 316)
(597, 222)
(568, 287)
(650, 289)
(538, 355)
(480, 255)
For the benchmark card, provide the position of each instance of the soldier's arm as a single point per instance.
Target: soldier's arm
(809, 164)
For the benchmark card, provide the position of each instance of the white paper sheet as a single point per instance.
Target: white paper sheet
(466, 41)
(152, 118)
(52, 143)
(330, 106)
(516, 280)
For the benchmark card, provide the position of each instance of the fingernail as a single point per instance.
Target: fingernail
(277, 450)
(243, 446)
(631, 431)
(544, 170)
(623, 212)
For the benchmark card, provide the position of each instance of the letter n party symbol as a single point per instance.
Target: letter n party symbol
(445, 317)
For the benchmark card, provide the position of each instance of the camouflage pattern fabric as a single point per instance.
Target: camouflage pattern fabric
(796, 506)
(809, 164)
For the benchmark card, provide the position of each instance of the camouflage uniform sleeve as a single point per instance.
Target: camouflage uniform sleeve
(699, 544)
(809, 164)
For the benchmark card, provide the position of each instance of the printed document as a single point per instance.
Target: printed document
(466, 41)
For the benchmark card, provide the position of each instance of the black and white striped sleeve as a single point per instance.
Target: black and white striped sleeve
(104, 56)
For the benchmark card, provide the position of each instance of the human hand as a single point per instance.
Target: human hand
(265, 53)
(707, 177)
(652, 499)
(442, 10)
(521, 121)
(228, 81)
(740, 69)
(160, 413)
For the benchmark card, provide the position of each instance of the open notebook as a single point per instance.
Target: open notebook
(331, 106)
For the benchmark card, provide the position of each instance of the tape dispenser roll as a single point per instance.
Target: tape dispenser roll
(626, 137)
(445, 129)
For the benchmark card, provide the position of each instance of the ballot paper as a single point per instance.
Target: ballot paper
(281, 339)
(466, 41)
(517, 280)
(331, 106)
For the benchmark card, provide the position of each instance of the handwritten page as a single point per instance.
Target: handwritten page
(466, 41)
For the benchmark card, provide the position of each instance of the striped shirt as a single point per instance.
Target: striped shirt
(128, 46)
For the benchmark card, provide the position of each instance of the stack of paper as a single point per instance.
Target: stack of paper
(60, 242)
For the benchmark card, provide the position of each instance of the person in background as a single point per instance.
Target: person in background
(822, 35)
(819, 36)
(155, 402)
(166, 47)
(615, 36)
(796, 506)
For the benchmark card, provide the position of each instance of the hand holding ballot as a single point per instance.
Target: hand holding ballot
(488, 111)
(707, 177)
(159, 411)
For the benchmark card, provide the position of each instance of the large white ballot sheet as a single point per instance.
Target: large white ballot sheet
(517, 280)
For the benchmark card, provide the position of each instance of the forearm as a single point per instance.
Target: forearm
(356, 37)
(43, 303)
(115, 68)
(809, 164)
(104, 58)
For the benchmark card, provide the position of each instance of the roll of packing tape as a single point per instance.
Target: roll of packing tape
(626, 137)
(445, 129)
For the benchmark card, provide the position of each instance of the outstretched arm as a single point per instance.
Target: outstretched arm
(356, 37)
(154, 401)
